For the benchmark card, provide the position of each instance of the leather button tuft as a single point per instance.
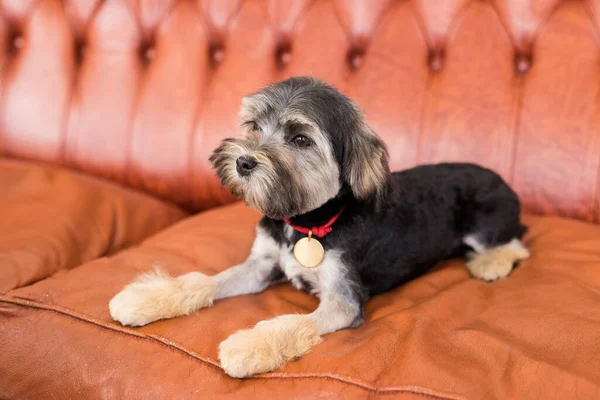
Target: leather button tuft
(80, 49)
(14, 43)
(522, 63)
(150, 53)
(18, 42)
(286, 57)
(217, 54)
(147, 52)
(283, 54)
(436, 61)
(356, 59)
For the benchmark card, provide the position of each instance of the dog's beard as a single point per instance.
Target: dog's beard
(224, 163)
(277, 187)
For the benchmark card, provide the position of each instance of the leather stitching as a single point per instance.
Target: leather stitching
(351, 381)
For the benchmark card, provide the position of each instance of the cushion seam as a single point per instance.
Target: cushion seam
(417, 390)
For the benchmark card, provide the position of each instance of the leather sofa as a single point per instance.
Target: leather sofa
(110, 109)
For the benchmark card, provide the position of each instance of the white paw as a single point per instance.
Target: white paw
(488, 269)
(155, 296)
(267, 346)
(497, 262)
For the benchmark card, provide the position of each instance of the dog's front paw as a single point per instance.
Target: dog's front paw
(267, 346)
(157, 295)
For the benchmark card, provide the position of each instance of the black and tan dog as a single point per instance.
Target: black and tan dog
(337, 224)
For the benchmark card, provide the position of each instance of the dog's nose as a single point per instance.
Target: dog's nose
(245, 164)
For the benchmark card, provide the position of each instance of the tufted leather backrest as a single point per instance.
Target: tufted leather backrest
(142, 91)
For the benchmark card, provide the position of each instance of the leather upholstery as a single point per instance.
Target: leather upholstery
(442, 336)
(141, 91)
(51, 219)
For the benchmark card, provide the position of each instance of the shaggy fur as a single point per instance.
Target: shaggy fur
(157, 295)
(306, 153)
(268, 346)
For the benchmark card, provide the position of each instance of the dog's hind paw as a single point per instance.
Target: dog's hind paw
(156, 295)
(268, 346)
(497, 262)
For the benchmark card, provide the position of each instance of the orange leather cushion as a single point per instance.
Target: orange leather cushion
(51, 219)
(443, 336)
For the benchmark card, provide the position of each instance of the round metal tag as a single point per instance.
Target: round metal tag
(309, 252)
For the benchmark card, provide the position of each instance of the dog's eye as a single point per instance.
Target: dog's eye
(301, 141)
(255, 127)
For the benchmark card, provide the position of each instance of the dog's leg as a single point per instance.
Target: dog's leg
(491, 263)
(155, 296)
(272, 343)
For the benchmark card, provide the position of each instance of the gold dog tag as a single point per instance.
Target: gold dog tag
(309, 252)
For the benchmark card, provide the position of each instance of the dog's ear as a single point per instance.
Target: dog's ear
(365, 166)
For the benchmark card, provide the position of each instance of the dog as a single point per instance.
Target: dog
(337, 224)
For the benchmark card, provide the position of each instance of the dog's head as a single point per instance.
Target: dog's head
(303, 143)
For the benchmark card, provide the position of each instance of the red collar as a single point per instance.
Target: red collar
(318, 231)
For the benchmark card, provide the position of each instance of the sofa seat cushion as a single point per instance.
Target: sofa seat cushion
(443, 336)
(52, 219)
